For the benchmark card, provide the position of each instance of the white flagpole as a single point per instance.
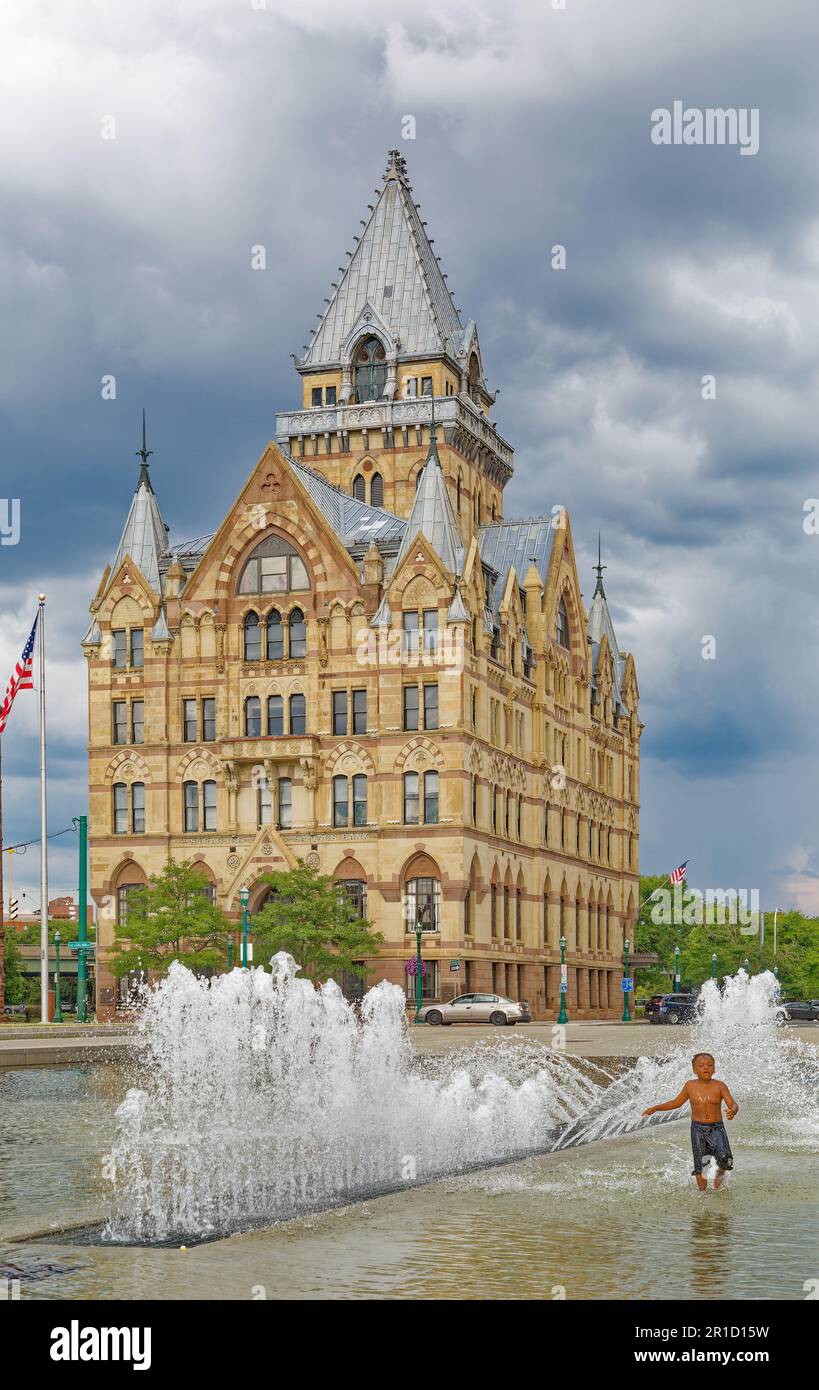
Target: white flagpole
(43, 823)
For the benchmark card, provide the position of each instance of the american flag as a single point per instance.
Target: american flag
(679, 874)
(21, 678)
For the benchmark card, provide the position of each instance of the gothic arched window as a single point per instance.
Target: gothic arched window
(563, 626)
(377, 491)
(275, 567)
(253, 638)
(359, 488)
(298, 633)
(370, 371)
(275, 636)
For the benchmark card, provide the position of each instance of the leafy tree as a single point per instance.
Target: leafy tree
(308, 916)
(171, 918)
(30, 935)
(14, 985)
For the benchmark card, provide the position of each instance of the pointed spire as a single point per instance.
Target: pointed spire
(433, 513)
(598, 588)
(144, 453)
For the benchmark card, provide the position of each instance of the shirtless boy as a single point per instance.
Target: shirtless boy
(707, 1130)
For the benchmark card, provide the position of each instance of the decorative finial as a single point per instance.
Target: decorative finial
(396, 167)
(598, 588)
(144, 453)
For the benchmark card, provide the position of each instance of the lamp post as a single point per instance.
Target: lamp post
(230, 950)
(676, 969)
(564, 983)
(423, 913)
(626, 1009)
(244, 894)
(747, 964)
(58, 1013)
(714, 965)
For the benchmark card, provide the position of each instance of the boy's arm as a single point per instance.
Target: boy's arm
(670, 1104)
(729, 1100)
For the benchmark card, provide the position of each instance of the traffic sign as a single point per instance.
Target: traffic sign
(627, 984)
(82, 946)
(454, 965)
(564, 986)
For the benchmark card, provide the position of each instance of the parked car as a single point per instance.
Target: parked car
(652, 1004)
(676, 1008)
(803, 1010)
(478, 1008)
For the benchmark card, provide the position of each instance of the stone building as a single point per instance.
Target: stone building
(369, 667)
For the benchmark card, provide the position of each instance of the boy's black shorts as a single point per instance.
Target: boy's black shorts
(710, 1139)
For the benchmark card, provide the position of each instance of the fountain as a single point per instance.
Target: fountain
(264, 1098)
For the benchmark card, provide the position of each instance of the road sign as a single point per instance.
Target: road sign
(82, 946)
(564, 986)
(454, 965)
(627, 984)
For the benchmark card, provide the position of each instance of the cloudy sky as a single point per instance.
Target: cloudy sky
(241, 123)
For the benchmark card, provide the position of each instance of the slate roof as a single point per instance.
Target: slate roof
(507, 543)
(145, 535)
(394, 271)
(433, 513)
(352, 520)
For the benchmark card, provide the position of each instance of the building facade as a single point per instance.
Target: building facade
(368, 667)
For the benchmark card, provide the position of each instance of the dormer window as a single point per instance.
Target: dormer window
(563, 637)
(370, 371)
(275, 567)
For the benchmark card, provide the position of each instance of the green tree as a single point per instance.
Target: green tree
(308, 916)
(14, 988)
(171, 918)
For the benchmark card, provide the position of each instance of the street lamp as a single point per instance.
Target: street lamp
(747, 966)
(230, 951)
(423, 913)
(626, 1009)
(564, 983)
(714, 965)
(58, 1015)
(244, 894)
(676, 969)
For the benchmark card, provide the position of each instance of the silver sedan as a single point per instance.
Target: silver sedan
(477, 1008)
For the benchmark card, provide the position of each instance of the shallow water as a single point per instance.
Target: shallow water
(618, 1218)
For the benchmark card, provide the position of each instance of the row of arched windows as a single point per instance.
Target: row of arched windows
(281, 638)
(376, 489)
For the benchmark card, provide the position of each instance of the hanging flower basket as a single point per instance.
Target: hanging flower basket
(412, 966)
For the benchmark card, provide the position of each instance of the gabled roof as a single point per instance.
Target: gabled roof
(519, 543)
(394, 272)
(352, 521)
(145, 535)
(600, 626)
(433, 513)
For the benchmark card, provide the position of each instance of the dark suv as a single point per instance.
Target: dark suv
(675, 1008)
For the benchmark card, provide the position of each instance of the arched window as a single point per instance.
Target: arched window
(359, 488)
(298, 714)
(191, 802)
(341, 801)
(208, 805)
(377, 490)
(370, 371)
(359, 799)
(474, 376)
(563, 626)
(264, 806)
(506, 923)
(458, 494)
(423, 899)
(253, 638)
(253, 717)
(275, 636)
(493, 909)
(411, 807)
(275, 567)
(120, 791)
(519, 914)
(352, 893)
(138, 808)
(419, 475)
(431, 798)
(298, 634)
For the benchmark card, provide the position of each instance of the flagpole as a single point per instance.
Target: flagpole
(43, 823)
(2, 918)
